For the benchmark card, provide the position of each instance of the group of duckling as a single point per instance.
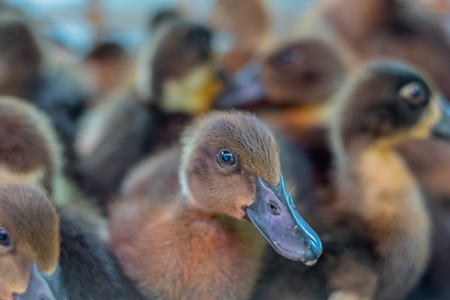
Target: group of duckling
(305, 169)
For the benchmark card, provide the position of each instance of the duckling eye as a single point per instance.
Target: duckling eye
(274, 209)
(227, 158)
(5, 240)
(414, 93)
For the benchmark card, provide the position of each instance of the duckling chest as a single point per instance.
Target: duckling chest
(201, 259)
(393, 206)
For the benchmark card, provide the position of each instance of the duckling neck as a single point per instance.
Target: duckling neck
(391, 204)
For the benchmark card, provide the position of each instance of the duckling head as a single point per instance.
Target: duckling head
(387, 103)
(300, 73)
(28, 144)
(176, 71)
(29, 234)
(20, 55)
(230, 165)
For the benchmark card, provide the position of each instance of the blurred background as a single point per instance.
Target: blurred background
(77, 25)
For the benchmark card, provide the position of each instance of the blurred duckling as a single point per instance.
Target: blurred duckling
(196, 245)
(29, 238)
(24, 73)
(103, 70)
(242, 32)
(29, 153)
(150, 115)
(376, 232)
(361, 30)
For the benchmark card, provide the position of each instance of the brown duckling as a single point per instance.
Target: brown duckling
(150, 115)
(28, 144)
(29, 234)
(243, 32)
(376, 232)
(196, 245)
(395, 29)
(29, 153)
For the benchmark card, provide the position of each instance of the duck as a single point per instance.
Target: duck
(377, 225)
(29, 237)
(151, 111)
(28, 75)
(30, 154)
(28, 144)
(198, 244)
(393, 29)
(242, 32)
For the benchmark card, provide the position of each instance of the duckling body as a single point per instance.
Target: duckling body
(204, 260)
(376, 229)
(150, 115)
(195, 245)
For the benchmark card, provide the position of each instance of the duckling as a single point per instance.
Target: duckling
(29, 153)
(151, 114)
(386, 28)
(29, 237)
(28, 144)
(104, 69)
(243, 32)
(376, 232)
(25, 74)
(195, 245)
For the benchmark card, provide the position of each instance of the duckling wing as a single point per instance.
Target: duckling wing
(123, 144)
(88, 269)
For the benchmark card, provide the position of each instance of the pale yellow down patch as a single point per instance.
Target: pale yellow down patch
(194, 93)
(33, 177)
(343, 295)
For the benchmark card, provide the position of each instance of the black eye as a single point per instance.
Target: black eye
(274, 209)
(5, 240)
(414, 93)
(227, 158)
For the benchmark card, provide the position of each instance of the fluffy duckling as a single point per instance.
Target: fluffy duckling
(243, 32)
(29, 236)
(376, 233)
(25, 74)
(195, 245)
(29, 154)
(28, 144)
(165, 94)
(291, 89)
(396, 29)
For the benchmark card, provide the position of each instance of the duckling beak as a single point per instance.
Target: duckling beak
(37, 287)
(244, 90)
(442, 128)
(274, 214)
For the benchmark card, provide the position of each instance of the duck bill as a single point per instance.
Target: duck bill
(274, 214)
(37, 288)
(244, 90)
(442, 128)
